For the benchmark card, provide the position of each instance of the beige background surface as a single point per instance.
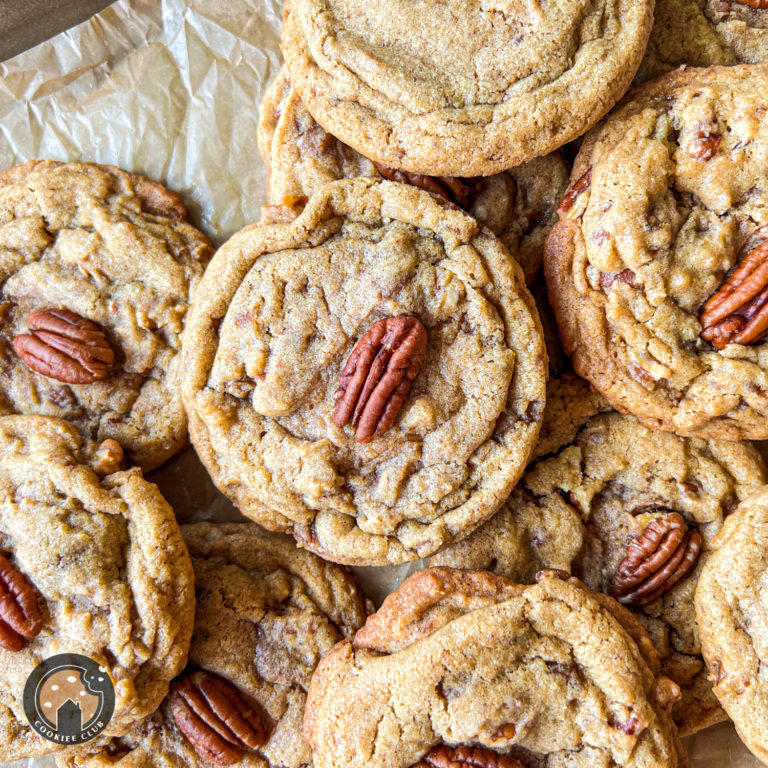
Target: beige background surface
(171, 89)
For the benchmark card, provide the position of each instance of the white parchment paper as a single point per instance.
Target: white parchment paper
(171, 89)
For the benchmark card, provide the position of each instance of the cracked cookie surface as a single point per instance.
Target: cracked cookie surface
(108, 564)
(519, 79)
(115, 249)
(731, 609)
(546, 673)
(266, 612)
(278, 314)
(704, 32)
(578, 508)
(518, 206)
(678, 197)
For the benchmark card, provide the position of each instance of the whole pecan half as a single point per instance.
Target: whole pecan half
(738, 311)
(466, 757)
(656, 560)
(456, 190)
(66, 347)
(581, 185)
(216, 720)
(378, 375)
(20, 616)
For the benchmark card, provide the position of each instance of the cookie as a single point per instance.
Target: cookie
(470, 666)
(266, 613)
(704, 32)
(516, 81)
(658, 254)
(584, 507)
(518, 206)
(96, 565)
(98, 267)
(731, 610)
(369, 377)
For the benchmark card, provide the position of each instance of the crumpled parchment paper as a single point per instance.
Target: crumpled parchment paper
(171, 90)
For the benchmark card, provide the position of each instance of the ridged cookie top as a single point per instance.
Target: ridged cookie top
(461, 88)
(544, 673)
(115, 249)
(108, 565)
(278, 315)
(732, 609)
(703, 32)
(266, 612)
(518, 206)
(678, 197)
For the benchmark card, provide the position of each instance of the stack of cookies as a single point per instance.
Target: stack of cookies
(374, 374)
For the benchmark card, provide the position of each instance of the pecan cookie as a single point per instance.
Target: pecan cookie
(94, 564)
(704, 32)
(469, 668)
(266, 613)
(732, 612)
(96, 278)
(518, 206)
(658, 267)
(517, 81)
(369, 377)
(632, 512)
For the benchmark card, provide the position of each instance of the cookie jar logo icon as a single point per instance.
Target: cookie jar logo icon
(69, 698)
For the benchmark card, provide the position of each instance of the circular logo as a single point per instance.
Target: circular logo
(69, 698)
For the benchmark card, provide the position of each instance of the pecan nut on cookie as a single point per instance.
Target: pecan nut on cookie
(632, 512)
(266, 613)
(517, 80)
(518, 206)
(658, 268)
(369, 377)
(732, 611)
(92, 562)
(704, 32)
(468, 668)
(99, 270)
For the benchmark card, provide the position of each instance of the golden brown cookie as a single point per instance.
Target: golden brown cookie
(656, 267)
(518, 206)
(461, 89)
(369, 377)
(266, 612)
(97, 270)
(456, 661)
(603, 494)
(106, 571)
(732, 614)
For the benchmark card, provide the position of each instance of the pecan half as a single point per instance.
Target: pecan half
(754, 3)
(65, 347)
(665, 553)
(738, 312)
(20, 616)
(457, 191)
(216, 720)
(378, 375)
(466, 757)
(581, 185)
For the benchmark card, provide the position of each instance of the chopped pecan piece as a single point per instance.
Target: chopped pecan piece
(378, 375)
(216, 720)
(65, 347)
(466, 757)
(456, 190)
(107, 457)
(607, 279)
(738, 312)
(705, 145)
(20, 616)
(581, 185)
(665, 553)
